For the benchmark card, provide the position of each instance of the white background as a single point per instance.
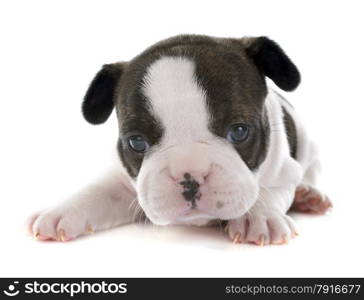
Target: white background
(50, 50)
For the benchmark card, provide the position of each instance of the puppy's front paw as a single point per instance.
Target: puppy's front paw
(262, 228)
(59, 224)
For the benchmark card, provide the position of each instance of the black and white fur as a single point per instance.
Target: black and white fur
(182, 95)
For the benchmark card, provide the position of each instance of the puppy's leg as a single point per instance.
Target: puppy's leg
(105, 204)
(266, 222)
(308, 198)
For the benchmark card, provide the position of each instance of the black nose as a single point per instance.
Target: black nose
(190, 189)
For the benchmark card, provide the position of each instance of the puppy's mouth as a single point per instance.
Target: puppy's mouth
(193, 213)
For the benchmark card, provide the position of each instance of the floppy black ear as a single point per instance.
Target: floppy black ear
(273, 62)
(99, 99)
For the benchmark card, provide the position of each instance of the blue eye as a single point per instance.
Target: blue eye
(138, 144)
(238, 133)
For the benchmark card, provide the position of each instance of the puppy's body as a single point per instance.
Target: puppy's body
(202, 138)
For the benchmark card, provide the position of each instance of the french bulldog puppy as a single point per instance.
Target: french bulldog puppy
(202, 139)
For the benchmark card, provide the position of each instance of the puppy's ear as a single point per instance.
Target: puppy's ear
(273, 62)
(99, 99)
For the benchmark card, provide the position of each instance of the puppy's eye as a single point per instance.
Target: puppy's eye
(238, 133)
(138, 144)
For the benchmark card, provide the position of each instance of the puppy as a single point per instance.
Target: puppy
(202, 139)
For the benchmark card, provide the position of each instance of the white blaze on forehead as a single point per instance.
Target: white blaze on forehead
(176, 99)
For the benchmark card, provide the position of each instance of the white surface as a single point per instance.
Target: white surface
(50, 52)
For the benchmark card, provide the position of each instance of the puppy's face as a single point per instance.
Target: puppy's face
(192, 123)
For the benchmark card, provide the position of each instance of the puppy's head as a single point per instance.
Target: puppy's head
(193, 127)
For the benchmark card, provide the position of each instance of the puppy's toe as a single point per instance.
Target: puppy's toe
(258, 232)
(44, 226)
(279, 230)
(237, 229)
(30, 221)
(70, 226)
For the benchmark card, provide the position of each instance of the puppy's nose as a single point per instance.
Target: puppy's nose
(190, 191)
(189, 167)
